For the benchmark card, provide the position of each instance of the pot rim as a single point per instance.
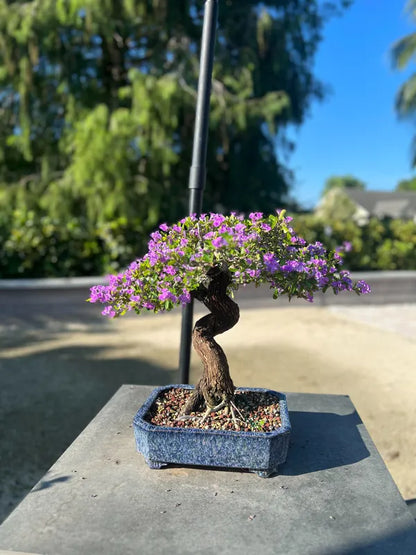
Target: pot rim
(140, 422)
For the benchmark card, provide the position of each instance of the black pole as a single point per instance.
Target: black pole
(197, 172)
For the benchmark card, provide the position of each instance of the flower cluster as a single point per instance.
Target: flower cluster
(256, 249)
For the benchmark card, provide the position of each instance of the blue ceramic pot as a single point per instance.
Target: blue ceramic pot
(259, 452)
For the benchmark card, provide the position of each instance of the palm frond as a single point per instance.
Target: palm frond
(406, 98)
(403, 51)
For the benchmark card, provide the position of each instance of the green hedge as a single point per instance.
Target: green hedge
(34, 245)
(379, 245)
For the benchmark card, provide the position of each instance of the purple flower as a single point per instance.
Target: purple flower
(265, 227)
(97, 293)
(185, 297)
(109, 311)
(294, 266)
(309, 297)
(164, 227)
(321, 279)
(217, 219)
(153, 258)
(316, 249)
(270, 262)
(363, 287)
(225, 229)
(170, 270)
(255, 216)
(166, 295)
(347, 246)
(156, 236)
(134, 265)
(219, 242)
(300, 240)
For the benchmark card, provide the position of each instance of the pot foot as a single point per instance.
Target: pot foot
(264, 473)
(156, 465)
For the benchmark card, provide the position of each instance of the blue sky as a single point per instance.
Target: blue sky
(355, 130)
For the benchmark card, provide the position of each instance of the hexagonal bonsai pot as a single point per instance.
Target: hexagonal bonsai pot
(260, 452)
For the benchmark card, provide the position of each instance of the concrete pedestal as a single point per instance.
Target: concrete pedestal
(334, 495)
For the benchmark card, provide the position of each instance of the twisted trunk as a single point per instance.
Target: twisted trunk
(215, 385)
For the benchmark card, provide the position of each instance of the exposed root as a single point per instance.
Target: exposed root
(233, 405)
(212, 409)
(237, 427)
(230, 406)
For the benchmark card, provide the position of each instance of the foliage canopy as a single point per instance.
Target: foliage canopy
(258, 249)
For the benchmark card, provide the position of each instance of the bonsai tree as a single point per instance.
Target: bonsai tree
(209, 257)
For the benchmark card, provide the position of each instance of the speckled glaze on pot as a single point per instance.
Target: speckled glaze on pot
(260, 452)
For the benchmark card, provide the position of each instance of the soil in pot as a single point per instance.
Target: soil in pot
(254, 411)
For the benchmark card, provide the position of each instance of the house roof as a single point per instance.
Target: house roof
(399, 204)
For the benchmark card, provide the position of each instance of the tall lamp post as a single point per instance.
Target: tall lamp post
(197, 172)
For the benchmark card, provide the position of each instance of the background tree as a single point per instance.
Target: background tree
(342, 182)
(406, 185)
(97, 104)
(335, 205)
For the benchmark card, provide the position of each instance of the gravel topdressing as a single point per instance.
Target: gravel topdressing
(255, 412)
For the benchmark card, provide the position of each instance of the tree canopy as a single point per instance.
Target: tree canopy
(406, 185)
(335, 205)
(342, 182)
(97, 103)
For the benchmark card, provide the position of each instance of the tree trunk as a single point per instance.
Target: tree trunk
(215, 385)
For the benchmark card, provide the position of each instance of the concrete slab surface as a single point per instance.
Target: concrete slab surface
(334, 495)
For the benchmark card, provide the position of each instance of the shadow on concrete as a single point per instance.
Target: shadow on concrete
(411, 503)
(47, 399)
(45, 484)
(323, 440)
(402, 542)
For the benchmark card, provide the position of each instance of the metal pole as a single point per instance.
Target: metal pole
(197, 172)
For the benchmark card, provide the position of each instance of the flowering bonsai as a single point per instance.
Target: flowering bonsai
(207, 258)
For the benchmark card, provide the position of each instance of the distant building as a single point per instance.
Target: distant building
(362, 205)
